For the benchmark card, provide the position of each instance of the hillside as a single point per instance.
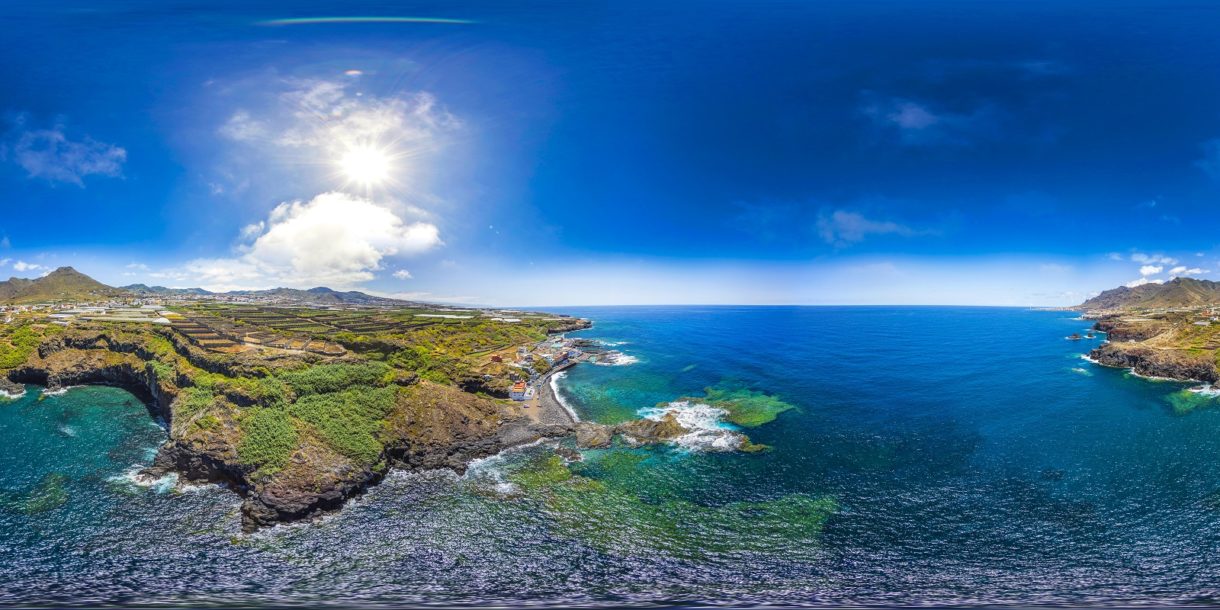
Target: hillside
(63, 284)
(147, 291)
(1176, 293)
(69, 285)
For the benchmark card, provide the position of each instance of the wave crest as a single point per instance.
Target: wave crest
(707, 429)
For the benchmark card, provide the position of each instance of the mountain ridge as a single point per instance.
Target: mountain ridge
(1178, 292)
(66, 284)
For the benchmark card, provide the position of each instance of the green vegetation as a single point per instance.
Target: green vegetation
(194, 400)
(19, 342)
(336, 377)
(268, 439)
(348, 421)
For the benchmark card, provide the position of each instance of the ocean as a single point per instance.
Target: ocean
(913, 455)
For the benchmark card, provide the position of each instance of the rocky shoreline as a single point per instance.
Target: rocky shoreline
(433, 426)
(1149, 362)
(1147, 347)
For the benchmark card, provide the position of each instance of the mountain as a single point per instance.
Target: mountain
(63, 284)
(320, 295)
(145, 291)
(69, 285)
(1178, 292)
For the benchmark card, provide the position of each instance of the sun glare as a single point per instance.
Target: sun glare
(366, 166)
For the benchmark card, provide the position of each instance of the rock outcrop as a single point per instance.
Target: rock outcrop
(427, 426)
(1156, 363)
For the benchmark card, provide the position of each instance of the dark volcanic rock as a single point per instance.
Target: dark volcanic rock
(1156, 363)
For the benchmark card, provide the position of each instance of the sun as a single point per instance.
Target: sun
(366, 166)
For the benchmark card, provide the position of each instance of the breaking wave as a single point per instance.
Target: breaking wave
(708, 430)
(615, 359)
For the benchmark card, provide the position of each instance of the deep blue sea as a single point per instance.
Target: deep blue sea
(934, 456)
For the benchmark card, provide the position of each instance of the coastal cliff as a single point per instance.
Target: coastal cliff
(295, 435)
(1169, 345)
(1157, 363)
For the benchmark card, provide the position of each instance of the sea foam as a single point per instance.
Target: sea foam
(133, 476)
(708, 430)
(60, 391)
(615, 359)
(1206, 390)
(554, 381)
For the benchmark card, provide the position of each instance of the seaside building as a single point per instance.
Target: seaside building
(518, 392)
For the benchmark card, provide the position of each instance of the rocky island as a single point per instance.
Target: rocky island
(1169, 330)
(296, 405)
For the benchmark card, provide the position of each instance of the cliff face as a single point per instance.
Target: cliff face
(1157, 363)
(421, 425)
(428, 426)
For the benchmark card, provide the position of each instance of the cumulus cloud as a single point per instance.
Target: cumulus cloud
(403, 274)
(1142, 281)
(1147, 270)
(49, 154)
(1183, 271)
(919, 123)
(843, 227)
(1153, 259)
(24, 266)
(335, 239)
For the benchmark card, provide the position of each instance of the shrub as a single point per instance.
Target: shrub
(348, 421)
(337, 377)
(20, 344)
(268, 439)
(192, 401)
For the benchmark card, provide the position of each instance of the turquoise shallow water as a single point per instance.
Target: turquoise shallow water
(935, 455)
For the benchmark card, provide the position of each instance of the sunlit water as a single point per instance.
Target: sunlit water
(936, 455)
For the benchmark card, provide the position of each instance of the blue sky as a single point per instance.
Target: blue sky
(556, 153)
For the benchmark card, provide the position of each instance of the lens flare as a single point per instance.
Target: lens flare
(366, 166)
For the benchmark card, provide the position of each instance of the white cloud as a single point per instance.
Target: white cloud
(918, 123)
(403, 274)
(335, 240)
(242, 127)
(1183, 271)
(50, 155)
(1114, 256)
(5, 261)
(324, 120)
(24, 266)
(1147, 270)
(1155, 259)
(252, 230)
(137, 266)
(1142, 281)
(841, 227)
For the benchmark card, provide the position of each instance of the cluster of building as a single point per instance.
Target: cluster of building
(109, 311)
(558, 353)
